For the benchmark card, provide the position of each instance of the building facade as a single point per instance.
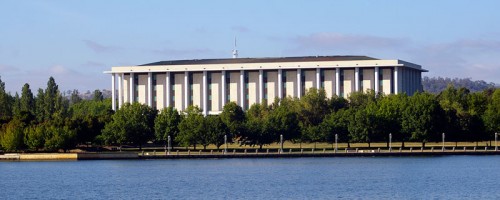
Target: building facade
(211, 83)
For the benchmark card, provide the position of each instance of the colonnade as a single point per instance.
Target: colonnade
(402, 79)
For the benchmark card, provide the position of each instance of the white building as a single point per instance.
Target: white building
(211, 83)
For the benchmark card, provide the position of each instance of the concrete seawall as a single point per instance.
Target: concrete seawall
(317, 154)
(212, 155)
(69, 156)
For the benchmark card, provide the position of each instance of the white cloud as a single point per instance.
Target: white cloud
(100, 48)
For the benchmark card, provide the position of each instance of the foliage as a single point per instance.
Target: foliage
(12, 136)
(58, 137)
(166, 124)
(492, 114)
(257, 127)
(131, 124)
(5, 104)
(215, 130)
(283, 120)
(422, 117)
(233, 116)
(191, 127)
(34, 137)
(435, 85)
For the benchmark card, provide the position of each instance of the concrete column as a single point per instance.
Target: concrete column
(337, 81)
(299, 83)
(205, 93)
(318, 78)
(242, 89)
(113, 92)
(223, 87)
(280, 83)
(186, 90)
(168, 89)
(150, 89)
(396, 81)
(120, 90)
(356, 79)
(376, 80)
(261, 85)
(132, 88)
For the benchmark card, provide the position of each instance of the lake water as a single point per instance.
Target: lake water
(440, 177)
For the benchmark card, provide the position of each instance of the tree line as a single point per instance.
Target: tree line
(50, 121)
(436, 85)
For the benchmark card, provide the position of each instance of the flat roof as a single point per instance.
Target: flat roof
(259, 60)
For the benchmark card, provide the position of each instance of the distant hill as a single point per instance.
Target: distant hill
(436, 85)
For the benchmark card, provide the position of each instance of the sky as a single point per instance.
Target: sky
(76, 41)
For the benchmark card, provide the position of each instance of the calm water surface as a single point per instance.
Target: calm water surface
(447, 177)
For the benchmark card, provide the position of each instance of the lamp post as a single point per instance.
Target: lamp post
(169, 143)
(443, 141)
(281, 143)
(390, 142)
(225, 144)
(336, 144)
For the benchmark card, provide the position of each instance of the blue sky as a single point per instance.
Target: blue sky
(75, 41)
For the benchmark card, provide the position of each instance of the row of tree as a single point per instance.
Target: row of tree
(51, 121)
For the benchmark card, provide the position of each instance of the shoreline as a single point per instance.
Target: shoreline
(234, 154)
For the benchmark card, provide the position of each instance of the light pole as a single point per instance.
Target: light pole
(281, 143)
(169, 143)
(225, 144)
(390, 142)
(336, 145)
(443, 141)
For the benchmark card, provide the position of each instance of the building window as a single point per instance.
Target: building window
(283, 83)
(136, 88)
(246, 89)
(190, 82)
(302, 82)
(322, 78)
(341, 81)
(392, 81)
(209, 82)
(361, 88)
(381, 80)
(172, 89)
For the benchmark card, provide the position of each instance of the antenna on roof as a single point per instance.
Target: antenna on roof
(235, 51)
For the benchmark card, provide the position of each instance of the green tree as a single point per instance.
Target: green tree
(283, 120)
(491, 116)
(97, 95)
(388, 111)
(336, 123)
(191, 127)
(50, 98)
(34, 136)
(215, 130)
(16, 106)
(40, 106)
(363, 126)
(75, 97)
(258, 129)
(422, 117)
(167, 124)
(12, 136)
(233, 116)
(131, 124)
(60, 137)
(5, 104)
(27, 100)
(88, 119)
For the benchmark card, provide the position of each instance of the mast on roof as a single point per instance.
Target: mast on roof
(235, 51)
